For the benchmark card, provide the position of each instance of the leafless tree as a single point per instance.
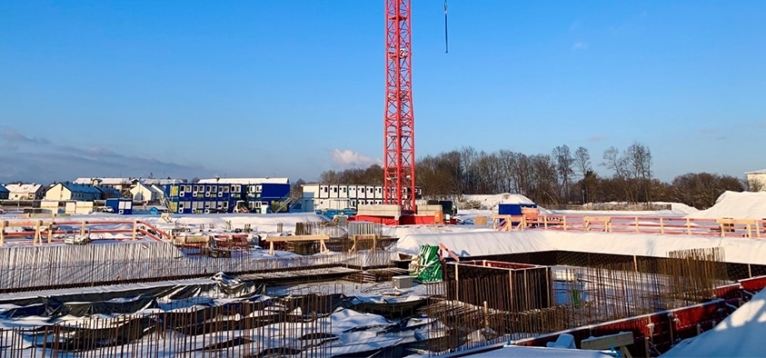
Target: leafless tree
(582, 161)
(564, 161)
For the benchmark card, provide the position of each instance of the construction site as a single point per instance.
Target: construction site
(396, 279)
(302, 285)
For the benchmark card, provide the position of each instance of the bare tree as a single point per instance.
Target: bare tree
(582, 161)
(564, 161)
(638, 160)
(615, 162)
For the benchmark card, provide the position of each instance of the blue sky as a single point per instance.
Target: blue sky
(292, 87)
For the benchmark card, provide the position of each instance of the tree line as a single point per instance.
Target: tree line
(561, 177)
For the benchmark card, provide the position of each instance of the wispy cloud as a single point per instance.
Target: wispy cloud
(350, 159)
(596, 138)
(579, 45)
(41, 160)
(632, 21)
(575, 25)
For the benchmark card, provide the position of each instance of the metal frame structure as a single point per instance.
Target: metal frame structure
(399, 124)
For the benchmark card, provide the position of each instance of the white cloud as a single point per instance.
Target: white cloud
(579, 45)
(350, 159)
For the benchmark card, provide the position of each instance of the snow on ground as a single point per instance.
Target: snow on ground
(491, 202)
(478, 243)
(739, 335)
(746, 205)
(404, 230)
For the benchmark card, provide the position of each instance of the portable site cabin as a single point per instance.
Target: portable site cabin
(515, 209)
(120, 206)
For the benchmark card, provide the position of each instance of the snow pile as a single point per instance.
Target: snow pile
(730, 204)
(404, 230)
(258, 222)
(476, 243)
(679, 207)
(468, 216)
(739, 335)
(491, 202)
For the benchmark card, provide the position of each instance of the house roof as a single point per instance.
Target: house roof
(157, 181)
(81, 188)
(104, 181)
(245, 181)
(23, 188)
(762, 171)
(3, 189)
(141, 186)
(107, 190)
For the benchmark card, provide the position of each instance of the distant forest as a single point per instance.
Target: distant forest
(561, 177)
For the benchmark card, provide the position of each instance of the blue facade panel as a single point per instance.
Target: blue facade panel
(277, 191)
(120, 206)
(4, 193)
(513, 209)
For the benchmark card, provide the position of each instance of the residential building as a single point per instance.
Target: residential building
(324, 196)
(108, 192)
(245, 181)
(25, 191)
(756, 181)
(121, 184)
(70, 191)
(4, 193)
(161, 182)
(146, 193)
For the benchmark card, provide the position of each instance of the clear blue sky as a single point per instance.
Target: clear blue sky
(282, 88)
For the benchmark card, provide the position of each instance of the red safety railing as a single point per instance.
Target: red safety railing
(725, 227)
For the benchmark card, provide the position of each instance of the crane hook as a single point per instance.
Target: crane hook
(446, 38)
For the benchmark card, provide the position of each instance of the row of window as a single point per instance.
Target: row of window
(369, 189)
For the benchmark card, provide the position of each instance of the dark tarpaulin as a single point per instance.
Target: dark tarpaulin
(122, 302)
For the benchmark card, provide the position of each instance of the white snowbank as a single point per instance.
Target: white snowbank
(491, 202)
(478, 243)
(739, 335)
(730, 204)
(679, 207)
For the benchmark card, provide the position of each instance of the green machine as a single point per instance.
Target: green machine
(428, 267)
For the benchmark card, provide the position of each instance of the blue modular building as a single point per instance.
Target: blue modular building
(120, 206)
(513, 209)
(224, 197)
(4, 193)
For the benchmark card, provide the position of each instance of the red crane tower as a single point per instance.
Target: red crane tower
(399, 121)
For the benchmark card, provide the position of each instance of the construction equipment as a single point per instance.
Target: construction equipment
(399, 124)
(78, 239)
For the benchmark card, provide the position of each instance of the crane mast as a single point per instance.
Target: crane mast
(399, 124)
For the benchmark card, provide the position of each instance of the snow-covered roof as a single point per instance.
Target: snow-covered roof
(762, 171)
(23, 188)
(81, 188)
(104, 181)
(266, 180)
(160, 181)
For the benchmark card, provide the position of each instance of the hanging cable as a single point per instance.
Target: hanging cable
(446, 38)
